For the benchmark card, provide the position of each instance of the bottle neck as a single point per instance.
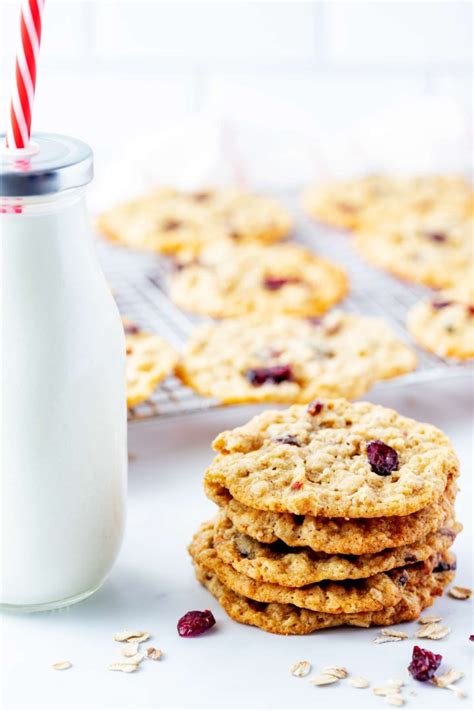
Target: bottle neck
(41, 204)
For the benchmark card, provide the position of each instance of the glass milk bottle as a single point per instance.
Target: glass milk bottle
(63, 418)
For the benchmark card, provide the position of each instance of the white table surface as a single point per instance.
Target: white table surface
(233, 666)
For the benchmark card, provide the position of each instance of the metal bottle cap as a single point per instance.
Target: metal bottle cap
(51, 164)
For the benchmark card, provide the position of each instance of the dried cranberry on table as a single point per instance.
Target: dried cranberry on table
(424, 664)
(383, 459)
(195, 622)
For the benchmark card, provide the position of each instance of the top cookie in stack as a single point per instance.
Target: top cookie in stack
(332, 514)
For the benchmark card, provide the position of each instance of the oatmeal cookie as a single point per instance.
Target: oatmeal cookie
(339, 535)
(333, 459)
(288, 359)
(351, 204)
(296, 567)
(372, 593)
(149, 360)
(444, 323)
(174, 222)
(343, 203)
(419, 592)
(235, 281)
(432, 251)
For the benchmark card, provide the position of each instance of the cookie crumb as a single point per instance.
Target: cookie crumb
(62, 665)
(153, 653)
(300, 668)
(459, 593)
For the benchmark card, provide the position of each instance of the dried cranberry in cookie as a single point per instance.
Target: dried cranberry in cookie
(274, 374)
(274, 283)
(315, 407)
(287, 439)
(382, 458)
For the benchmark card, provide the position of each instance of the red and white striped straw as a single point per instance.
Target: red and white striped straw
(23, 94)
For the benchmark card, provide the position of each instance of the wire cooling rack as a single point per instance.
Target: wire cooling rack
(139, 284)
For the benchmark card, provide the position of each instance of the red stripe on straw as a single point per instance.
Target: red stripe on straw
(15, 127)
(21, 108)
(29, 52)
(36, 15)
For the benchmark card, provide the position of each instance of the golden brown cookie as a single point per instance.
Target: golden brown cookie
(372, 593)
(296, 567)
(332, 459)
(339, 535)
(352, 204)
(281, 279)
(419, 592)
(288, 359)
(343, 203)
(149, 360)
(436, 251)
(444, 323)
(175, 222)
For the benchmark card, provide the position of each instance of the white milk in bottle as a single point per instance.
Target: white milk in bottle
(63, 418)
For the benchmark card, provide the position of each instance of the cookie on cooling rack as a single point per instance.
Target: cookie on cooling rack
(289, 359)
(436, 251)
(174, 222)
(234, 281)
(351, 204)
(149, 360)
(444, 323)
(343, 203)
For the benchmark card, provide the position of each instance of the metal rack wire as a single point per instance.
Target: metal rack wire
(139, 284)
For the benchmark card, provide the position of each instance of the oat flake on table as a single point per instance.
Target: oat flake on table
(62, 665)
(300, 668)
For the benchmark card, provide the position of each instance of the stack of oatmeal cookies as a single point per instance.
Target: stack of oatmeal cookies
(331, 514)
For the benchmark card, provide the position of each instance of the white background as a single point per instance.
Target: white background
(296, 90)
(305, 88)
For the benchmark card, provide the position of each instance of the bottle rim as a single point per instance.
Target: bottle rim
(59, 163)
